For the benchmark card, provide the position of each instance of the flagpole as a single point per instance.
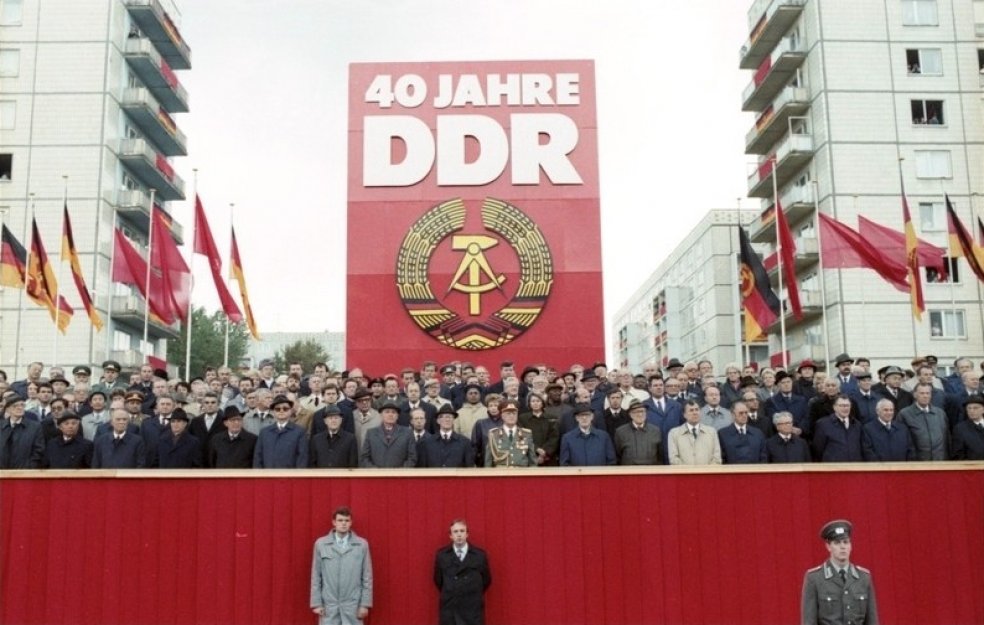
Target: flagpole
(191, 269)
(782, 309)
(864, 332)
(912, 324)
(734, 257)
(21, 295)
(110, 288)
(150, 247)
(61, 272)
(823, 281)
(3, 216)
(225, 349)
(949, 278)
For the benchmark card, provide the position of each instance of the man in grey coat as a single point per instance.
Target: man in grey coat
(388, 446)
(341, 574)
(927, 424)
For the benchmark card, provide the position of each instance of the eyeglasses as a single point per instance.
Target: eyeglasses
(785, 423)
(282, 409)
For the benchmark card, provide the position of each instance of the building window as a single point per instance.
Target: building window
(11, 12)
(947, 324)
(933, 164)
(925, 62)
(927, 112)
(952, 273)
(8, 114)
(932, 217)
(9, 63)
(6, 167)
(919, 13)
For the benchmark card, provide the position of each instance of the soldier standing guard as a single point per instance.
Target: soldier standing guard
(838, 592)
(510, 445)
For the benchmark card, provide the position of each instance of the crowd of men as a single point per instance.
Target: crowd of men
(456, 415)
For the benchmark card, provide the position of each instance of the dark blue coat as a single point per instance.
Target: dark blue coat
(21, 447)
(578, 450)
(794, 450)
(430, 412)
(434, 451)
(152, 431)
(866, 405)
(129, 453)
(881, 444)
(345, 406)
(832, 442)
(954, 407)
(183, 452)
(276, 449)
(968, 441)
(665, 420)
(738, 449)
(76, 453)
(797, 405)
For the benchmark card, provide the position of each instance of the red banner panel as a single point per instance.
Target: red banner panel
(600, 547)
(473, 214)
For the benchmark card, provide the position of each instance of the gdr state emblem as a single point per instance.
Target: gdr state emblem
(487, 294)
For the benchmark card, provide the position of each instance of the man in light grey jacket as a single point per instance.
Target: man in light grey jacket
(341, 574)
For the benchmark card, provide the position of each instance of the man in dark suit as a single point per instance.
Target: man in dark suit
(848, 383)
(639, 442)
(389, 445)
(787, 401)
(663, 412)
(756, 414)
(785, 446)
(232, 448)
(177, 449)
(954, 404)
(838, 437)
(21, 440)
(282, 445)
(412, 402)
(69, 450)
(865, 398)
(884, 440)
(334, 448)
(968, 435)
(740, 442)
(891, 389)
(119, 448)
(446, 448)
(461, 573)
(207, 424)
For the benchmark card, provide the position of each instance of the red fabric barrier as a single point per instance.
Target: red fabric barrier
(610, 548)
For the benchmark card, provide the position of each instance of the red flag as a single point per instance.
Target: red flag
(205, 245)
(13, 260)
(788, 261)
(42, 286)
(175, 273)
(892, 242)
(129, 267)
(237, 273)
(69, 253)
(912, 262)
(65, 313)
(843, 248)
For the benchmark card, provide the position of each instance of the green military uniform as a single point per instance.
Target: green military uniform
(109, 387)
(519, 452)
(829, 600)
(545, 434)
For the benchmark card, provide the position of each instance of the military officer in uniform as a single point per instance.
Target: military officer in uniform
(838, 592)
(510, 445)
(111, 378)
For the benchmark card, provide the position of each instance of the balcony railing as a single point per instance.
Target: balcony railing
(159, 28)
(152, 168)
(772, 123)
(790, 157)
(129, 310)
(156, 74)
(154, 121)
(135, 206)
(768, 31)
(772, 75)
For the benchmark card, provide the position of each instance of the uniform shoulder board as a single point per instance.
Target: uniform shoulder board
(814, 569)
(526, 430)
(862, 569)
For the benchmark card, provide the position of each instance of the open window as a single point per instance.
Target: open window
(927, 112)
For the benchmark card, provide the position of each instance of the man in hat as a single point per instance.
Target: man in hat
(120, 448)
(364, 417)
(968, 435)
(844, 364)
(208, 424)
(838, 592)
(891, 388)
(97, 415)
(803, 384)
(510, 445)
(585, 445)
(388, 445)
(673, 367)
(864, 397)
(461, 573)
(446, 448)
(233, 448)
(176, 448)
(638, 442)
(68, 450)
(110, 378)
(788, 401)
(282, 445)
(334, 447)
(21, 440)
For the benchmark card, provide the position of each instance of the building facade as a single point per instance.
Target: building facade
(688, 308)
(851, 101)
(89, 94)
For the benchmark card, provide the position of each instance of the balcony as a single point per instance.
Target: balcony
(798, 204)
(154, 21)
(155, 73)
(769, 30)
(135, 206)
(152, 168)
(773, 123)
(810, 302)
(807, 254)
(154, 121)
(128, 310)
(772, 75)
(795, 152)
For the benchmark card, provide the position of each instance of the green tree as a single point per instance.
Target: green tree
(208, 342)
(308, 353)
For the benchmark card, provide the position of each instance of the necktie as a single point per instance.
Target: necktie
(980, 425)
(741, 430)
(418, 436)
(316, 402)
(662, 408)
(447, 437)
(510, 436)
(843, 576)
(461, 554)
(694, 432)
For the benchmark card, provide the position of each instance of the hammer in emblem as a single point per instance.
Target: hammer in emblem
(475, 263)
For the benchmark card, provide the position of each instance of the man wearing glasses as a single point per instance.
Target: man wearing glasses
(283, 444)
(786, 446)
(208, 424)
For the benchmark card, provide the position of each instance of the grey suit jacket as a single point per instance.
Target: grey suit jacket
(400, 451)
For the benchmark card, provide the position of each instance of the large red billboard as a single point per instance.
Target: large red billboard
(473, 214)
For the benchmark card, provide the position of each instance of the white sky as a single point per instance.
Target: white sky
(268, 122)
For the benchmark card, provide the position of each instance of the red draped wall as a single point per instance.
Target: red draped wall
(598, 547)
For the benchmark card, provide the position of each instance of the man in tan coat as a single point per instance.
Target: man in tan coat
(694, 443)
